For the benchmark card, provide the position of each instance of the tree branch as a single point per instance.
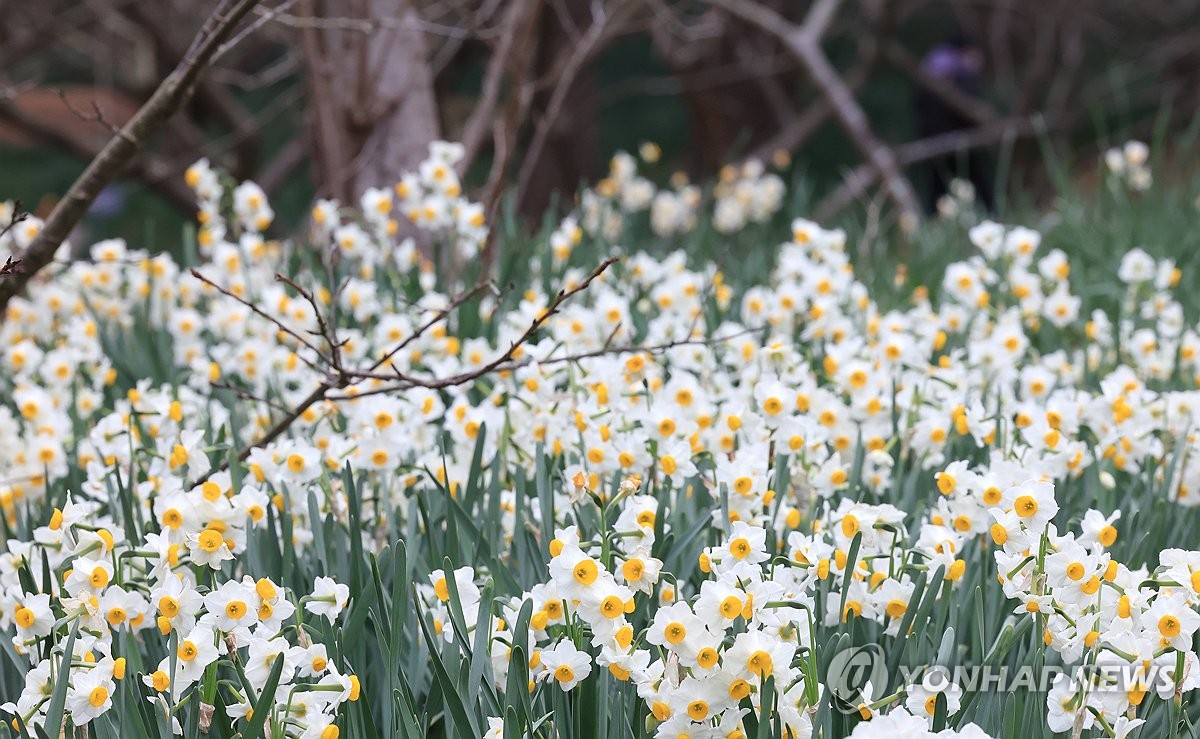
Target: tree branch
(339, 377)
(153, 171)
(859, 180)
(589, 44)
(111, 161)
(974, 109)
(518, 26)
(804, 43)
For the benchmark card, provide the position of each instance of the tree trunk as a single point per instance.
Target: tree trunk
(372, 103)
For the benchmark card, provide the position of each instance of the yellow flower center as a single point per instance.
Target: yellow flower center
(759, 663)
(1169, 626)
(633, 570)
(731, 607)
(849, 526)
(210, 540)
(188, 651)
(211, 491)
(1108, 535)
(168, 606)
(739, 689)
(675, 632)
(612, 607)
(585, 572)
(1025, 506)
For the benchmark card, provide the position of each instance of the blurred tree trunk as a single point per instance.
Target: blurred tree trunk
(570, 149)
(372, 104)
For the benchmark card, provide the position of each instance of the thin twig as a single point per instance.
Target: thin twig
(858, 180)
(465, 377)
(455, 303)
(247, 395)
(804, 43)
(605, 351)
(17, 216)
(323, 330)
(338, 378)
(260, 312)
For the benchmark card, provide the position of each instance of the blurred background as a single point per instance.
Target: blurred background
(860, 102)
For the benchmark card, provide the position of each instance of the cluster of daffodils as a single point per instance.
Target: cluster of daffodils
(1129, 630)
(694, 658)
(19, 230)
(1129, 165)
(744, 194)
(432, 198)
(703, 657)
(818, 455)
(103, 590)
(252, 214)
(958, 202)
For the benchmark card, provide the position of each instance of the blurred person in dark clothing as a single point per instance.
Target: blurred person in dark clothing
(958, 61)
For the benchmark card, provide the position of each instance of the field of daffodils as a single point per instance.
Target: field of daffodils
(319, 487)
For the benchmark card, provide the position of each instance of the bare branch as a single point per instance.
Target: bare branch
(153, 171)
(96, 116)
(323, 330)
(338, 377)
(260, 312)
(11, 267)
(465, 377)
(111, 161)
(856, 183)
(607, 350)
(519, 24)
(974, 109)
(370, 25)
(423, 328)
(803, 42)
(17, 216)
(589, 43)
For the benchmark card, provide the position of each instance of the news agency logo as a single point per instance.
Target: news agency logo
(852, 668)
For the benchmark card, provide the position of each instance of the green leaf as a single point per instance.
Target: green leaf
(454, 703)
(58, 699)
(266, 701)
(939, 712)
(851, 560)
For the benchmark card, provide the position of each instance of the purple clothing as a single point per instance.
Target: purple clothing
(946, 62)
